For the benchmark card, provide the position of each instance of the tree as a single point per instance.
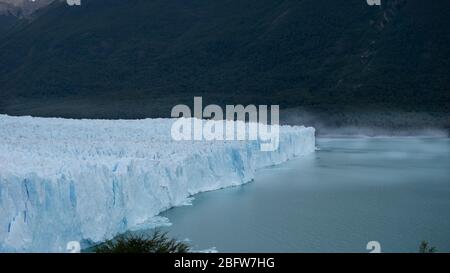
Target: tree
(156, 243)
(426, 248)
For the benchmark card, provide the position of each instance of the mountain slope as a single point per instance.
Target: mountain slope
(139, 58)
(8, 16)
(22, 8)
(6, 22)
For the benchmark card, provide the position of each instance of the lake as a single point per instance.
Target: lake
(351, 191)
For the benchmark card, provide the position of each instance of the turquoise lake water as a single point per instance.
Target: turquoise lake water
(392, 190)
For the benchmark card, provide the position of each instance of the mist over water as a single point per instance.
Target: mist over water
(366, 123)
(351, 191)
(352, 131)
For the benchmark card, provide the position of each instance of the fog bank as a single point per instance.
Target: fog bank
(369, 123)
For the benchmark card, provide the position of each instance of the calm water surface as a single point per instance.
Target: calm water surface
(352, 191)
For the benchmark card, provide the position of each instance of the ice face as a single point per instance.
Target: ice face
(67, 180)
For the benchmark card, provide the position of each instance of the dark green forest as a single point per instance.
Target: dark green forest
(139, 58)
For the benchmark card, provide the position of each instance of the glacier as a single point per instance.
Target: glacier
(65, 180)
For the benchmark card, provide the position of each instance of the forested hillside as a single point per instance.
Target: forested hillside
(138, 58)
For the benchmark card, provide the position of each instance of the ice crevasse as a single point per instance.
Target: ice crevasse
(67, 180)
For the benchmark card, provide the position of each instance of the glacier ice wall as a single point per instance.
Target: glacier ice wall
(63, 180)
